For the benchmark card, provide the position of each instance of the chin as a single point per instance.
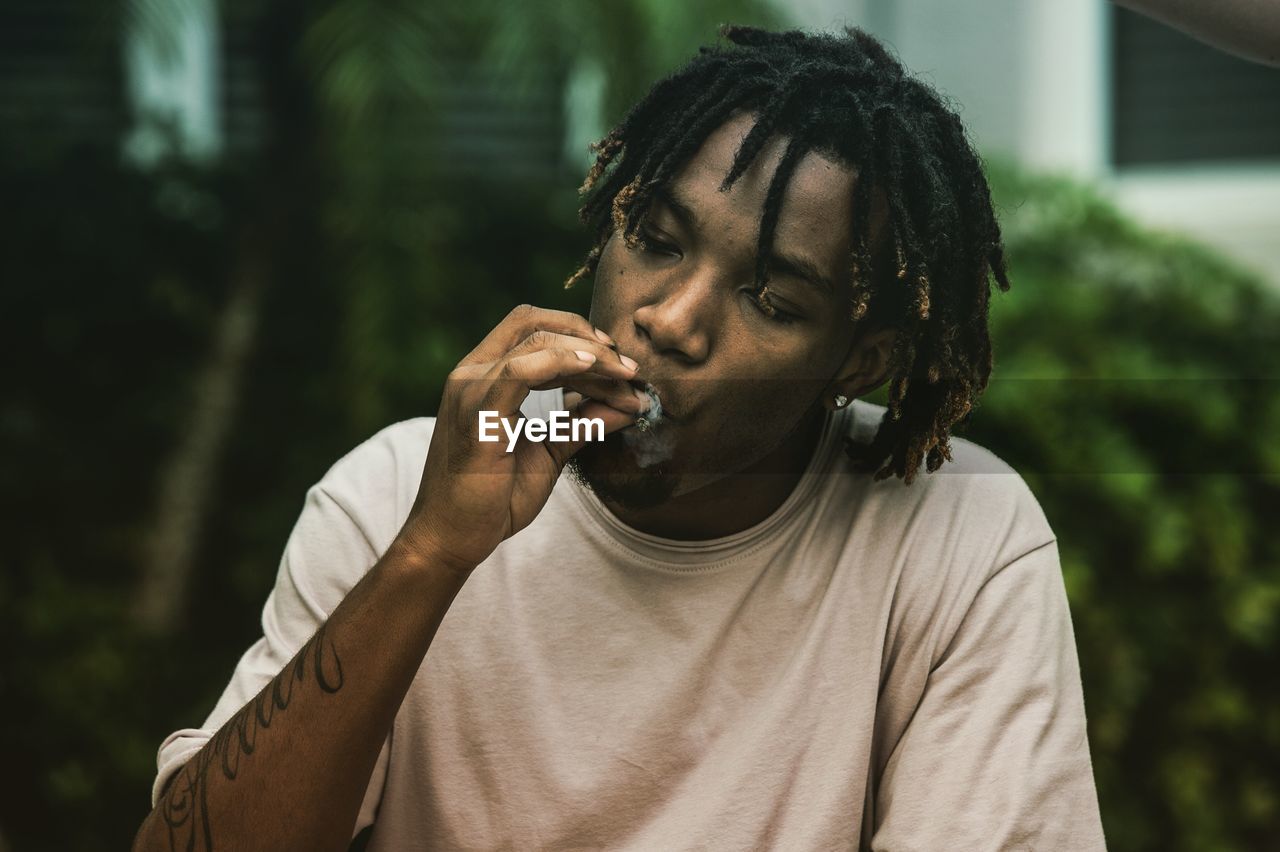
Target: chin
(611, 470)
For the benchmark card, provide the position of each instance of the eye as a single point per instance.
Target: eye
(768, 309)
(653, 243)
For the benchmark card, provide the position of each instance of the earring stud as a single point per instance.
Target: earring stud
(841, 400)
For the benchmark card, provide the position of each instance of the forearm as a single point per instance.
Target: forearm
(289, 770)
(1248, 28)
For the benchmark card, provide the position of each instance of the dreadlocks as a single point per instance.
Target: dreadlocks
(928, 273)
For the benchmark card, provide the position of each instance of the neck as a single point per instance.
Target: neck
(735, 502)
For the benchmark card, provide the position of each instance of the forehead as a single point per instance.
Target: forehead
(817, 206)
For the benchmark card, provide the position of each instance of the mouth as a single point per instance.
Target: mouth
(659, 408)
(650, 439)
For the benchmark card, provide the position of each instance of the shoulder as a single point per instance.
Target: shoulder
(976, 505)
(942, 539)
(967, 457)
(975, 474)
(375, 483)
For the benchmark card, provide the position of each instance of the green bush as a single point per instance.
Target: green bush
(1131, 389)
(1135, 390)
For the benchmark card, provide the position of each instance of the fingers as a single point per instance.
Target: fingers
(610, 361)
(604, 377)
(614, 392)
(612, 417)
(537, 348)
(511, 379)
(524, 321)
(562, 451)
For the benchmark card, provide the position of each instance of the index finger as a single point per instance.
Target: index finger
(523, 321)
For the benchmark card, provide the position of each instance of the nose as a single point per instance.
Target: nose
(679, 322)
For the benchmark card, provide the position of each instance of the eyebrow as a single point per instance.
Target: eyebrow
(785, 264)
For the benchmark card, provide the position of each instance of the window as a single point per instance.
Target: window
(1177, 101)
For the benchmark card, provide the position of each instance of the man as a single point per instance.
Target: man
(720, 632)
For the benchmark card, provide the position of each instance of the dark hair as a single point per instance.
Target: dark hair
(928, 275)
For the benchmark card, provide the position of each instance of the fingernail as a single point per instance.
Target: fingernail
(644, 400)
(585, 356)
(604, 338)
(629, 363)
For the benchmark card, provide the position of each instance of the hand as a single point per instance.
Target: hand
(475, 494)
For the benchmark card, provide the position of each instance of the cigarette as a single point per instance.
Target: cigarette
(653, 415)
(650, 445)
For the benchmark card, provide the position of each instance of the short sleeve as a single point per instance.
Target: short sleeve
(996, 755)
(327, 553)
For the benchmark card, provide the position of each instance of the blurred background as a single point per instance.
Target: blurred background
(238, 238)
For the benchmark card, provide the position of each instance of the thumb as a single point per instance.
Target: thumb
(589, 409)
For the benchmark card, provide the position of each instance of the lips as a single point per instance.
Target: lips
(663, 397)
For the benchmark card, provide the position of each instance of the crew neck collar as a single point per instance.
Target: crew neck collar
(709, 555)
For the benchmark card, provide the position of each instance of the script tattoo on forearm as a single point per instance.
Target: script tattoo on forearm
(185, 808)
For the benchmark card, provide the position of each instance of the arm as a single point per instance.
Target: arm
(1247, 28)
(266, 780)
(996, 755)
(290, 767)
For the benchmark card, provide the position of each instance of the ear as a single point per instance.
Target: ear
(865, 368)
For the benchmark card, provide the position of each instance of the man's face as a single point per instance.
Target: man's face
(736, 383)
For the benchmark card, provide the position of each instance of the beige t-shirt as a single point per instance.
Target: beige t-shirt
(876, 665)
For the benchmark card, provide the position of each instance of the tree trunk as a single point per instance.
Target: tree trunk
(188, 479)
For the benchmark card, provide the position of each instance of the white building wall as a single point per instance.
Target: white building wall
(1032, 80)
(171, 60)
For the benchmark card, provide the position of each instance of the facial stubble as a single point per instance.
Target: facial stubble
(609, 468)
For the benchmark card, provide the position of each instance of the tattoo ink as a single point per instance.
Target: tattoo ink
(185, 806)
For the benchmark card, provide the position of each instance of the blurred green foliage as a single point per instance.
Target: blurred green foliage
(1134, 390)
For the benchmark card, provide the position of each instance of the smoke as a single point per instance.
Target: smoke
(648, 441)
